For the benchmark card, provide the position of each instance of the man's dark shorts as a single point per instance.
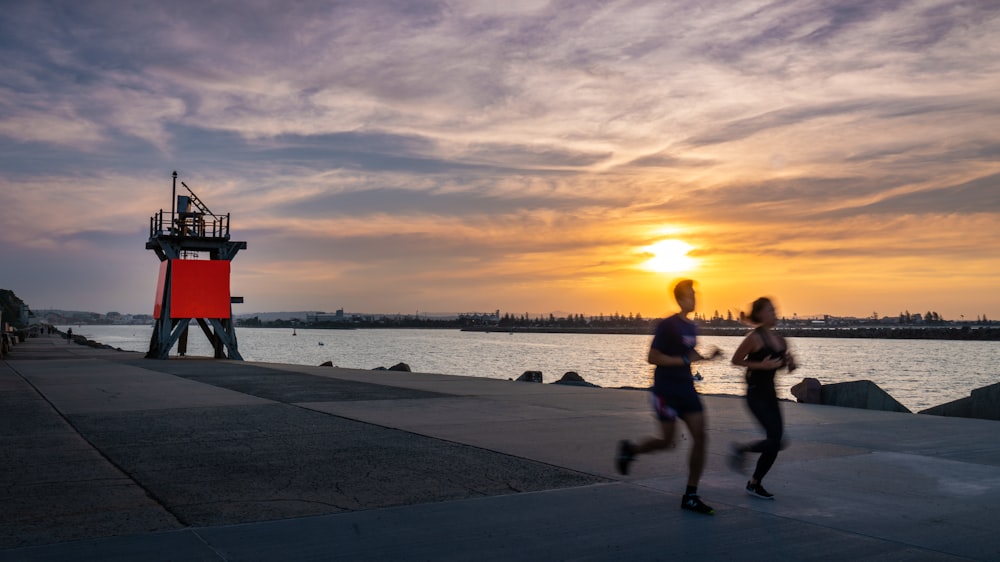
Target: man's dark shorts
(676, 404)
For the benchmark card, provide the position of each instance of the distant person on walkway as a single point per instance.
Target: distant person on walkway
(674, 396)
(69, 334)
(762, 352)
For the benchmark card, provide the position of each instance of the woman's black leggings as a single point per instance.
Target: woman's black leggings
(764, 406)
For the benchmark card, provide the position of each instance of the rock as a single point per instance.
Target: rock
(809, 391)
(573, 378)
(530, 376)
(400, 367)
(984, 403)
(961, 408)
(860, 394)
(326, 364)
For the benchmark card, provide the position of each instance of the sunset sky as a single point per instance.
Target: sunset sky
(524, 155)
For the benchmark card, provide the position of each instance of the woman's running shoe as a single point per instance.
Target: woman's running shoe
(758, 491)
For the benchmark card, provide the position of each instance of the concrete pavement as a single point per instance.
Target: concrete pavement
(109, 456)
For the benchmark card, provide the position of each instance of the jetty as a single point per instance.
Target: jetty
(110, 456)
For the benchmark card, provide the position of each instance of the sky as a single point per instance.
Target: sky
(536, 157)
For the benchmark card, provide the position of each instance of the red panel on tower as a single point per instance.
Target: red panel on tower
(199, 289)
(160, 283)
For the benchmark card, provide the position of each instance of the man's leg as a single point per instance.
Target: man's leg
(665, 441)
(628, 451)
(695, 422)
(696, 464)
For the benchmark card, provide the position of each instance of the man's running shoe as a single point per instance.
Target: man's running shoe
(625, 456)
(692, 502)
(736, 458)
(758, 491)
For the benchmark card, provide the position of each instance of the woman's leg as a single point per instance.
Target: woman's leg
(768, 413)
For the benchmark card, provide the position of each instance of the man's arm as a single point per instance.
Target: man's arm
(660, 359)
(711, 353)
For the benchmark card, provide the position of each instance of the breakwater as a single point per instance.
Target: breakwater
(960, 333)
(963, 333)
(918, 373)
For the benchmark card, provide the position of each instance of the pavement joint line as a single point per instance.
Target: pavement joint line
(451, 441)
(425, 435)
(208, 544)
(125, 474)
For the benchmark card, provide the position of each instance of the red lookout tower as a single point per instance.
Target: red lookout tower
(195, 253)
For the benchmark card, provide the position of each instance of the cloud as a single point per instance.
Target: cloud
(981, 195)
(476, 144)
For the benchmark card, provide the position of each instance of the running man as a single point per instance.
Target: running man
(674, 396)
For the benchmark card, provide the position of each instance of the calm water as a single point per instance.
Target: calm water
(917, 373)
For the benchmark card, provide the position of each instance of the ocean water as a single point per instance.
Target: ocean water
(917, 373)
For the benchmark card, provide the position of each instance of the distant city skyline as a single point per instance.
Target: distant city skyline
(558, 314)
(840, 157)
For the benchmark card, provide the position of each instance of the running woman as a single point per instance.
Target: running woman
(762, 353)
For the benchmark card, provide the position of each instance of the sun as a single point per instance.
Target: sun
(669, 256)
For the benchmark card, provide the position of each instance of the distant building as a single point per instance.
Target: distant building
(321, 317)
(480, 318)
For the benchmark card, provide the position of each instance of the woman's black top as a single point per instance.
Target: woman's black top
(763, 378)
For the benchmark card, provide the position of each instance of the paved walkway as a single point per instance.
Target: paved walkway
(109, 456)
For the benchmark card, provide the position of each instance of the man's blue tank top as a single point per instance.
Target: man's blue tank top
(675, 336)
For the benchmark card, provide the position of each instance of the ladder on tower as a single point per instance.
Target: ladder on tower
(197, 202)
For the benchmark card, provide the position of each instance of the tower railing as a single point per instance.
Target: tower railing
(193, 225)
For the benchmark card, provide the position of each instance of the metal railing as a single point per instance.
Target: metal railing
(191, 225)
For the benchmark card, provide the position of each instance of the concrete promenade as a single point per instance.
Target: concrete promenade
(108, 456)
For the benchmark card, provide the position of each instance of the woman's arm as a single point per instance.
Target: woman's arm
(790, 361)
(750, 344)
